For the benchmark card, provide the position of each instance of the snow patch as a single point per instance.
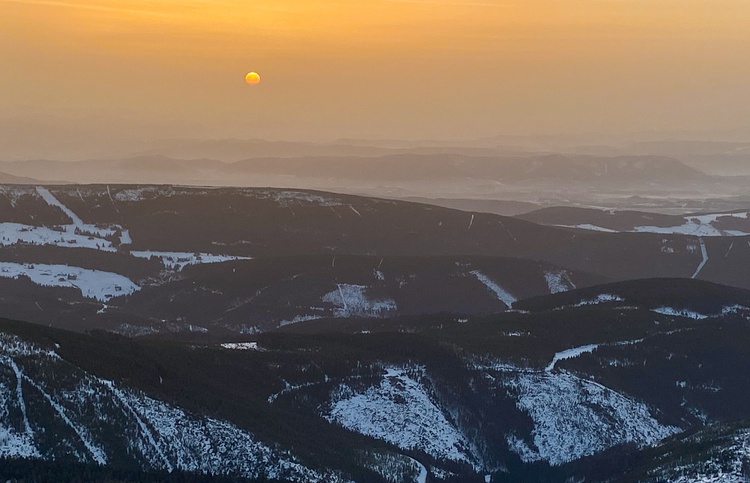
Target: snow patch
(394, 467)
(94, 284)
(502, 295)
(50, 199)
(723, 464)
(75, 235)
(241, 346)
(136, 330)
(558, 281)
(125, 238)
(17, 233)
(590, 227)
(157, 435)
(698, 225)
(13, 346)
(287, 198)
(691, 314)
(12, 442)
(179, 260)
(96, 451)
(130, 195)
(570, 354)
(679, 313)
(299, 318)
(400, 411)
(584, 349)
(600, 299)
(78, 225)
(519, 446)
(353, 301)
(575, 417)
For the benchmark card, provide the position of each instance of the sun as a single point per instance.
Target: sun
(252, 78)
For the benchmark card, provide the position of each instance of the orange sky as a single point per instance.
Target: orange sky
(379, 68)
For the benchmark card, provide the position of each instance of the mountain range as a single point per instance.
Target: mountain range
(264, 334)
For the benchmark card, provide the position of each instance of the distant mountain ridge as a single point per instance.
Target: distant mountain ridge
(6, 178)
(392, 166)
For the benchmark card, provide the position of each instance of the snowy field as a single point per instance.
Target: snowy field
(94, 284)
(17, 233)
(78, 225)
(697, 225)
(79, 234)
(75, 235)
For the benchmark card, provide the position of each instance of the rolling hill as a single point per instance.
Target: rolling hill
(586, 391)
(309, 336)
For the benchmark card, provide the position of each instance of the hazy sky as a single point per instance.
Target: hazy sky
(373, 68)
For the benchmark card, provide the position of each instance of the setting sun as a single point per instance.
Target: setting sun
(252, 78)
(446, 240)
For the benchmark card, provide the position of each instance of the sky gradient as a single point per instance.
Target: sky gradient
(414, 69)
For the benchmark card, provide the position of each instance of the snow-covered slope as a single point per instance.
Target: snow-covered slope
(49, 409)
(395, 468)
(558, 281)
(572, 416)
(400, 410)
(725, 460)
(503, 295)
(353, 301)
(575, 417)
